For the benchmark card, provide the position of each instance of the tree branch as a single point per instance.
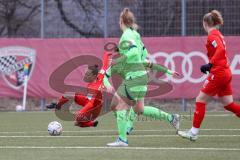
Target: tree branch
(2, 29)
(29, 16)
(23, 4)
(67, 21)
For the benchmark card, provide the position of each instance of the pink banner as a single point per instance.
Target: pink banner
(183, 54)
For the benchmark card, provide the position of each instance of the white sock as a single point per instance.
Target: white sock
(194, 130)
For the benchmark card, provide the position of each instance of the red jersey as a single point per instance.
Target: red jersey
(92, 102)
(95, 88)
(216, 51)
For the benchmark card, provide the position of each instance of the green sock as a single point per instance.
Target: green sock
(121, 117)
(131, 118)
(156, 113)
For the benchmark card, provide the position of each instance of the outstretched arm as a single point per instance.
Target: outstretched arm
(160, 68)
(104, 67)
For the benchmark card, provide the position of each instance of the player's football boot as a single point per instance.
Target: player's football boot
(118, 143)
(188, 135)
(129, 130)
(175, 121)
(51, 105)
(95, 123)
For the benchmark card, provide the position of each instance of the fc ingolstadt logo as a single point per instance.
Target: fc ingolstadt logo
(12, 62)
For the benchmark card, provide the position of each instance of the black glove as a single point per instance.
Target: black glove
(205, 68)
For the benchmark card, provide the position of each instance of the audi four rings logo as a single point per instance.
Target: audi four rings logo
(187, 65)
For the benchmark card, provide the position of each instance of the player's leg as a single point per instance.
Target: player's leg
(200, 109)
(230, 105)
(85, 117)
(226, 99)
(209, 89)
(119, 108)
(199, 113)
(80, 99)
(131, 117)
(156, 113)
(62, 100)
(136, 91)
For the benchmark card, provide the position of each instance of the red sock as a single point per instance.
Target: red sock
(233, 107)
(199, 114)
(61, 101)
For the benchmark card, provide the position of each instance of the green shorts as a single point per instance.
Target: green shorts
(133, 89)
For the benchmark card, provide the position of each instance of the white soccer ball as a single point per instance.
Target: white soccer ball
(19, 108)
(55, 128)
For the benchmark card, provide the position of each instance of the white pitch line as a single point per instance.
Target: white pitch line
(101, 136)
(218, 113)
(212, 115)
(188, 115)
(135, 130)
(15, 132)
(127, 148)
(149, 130)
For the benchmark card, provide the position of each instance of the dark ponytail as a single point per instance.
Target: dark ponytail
(94, 69)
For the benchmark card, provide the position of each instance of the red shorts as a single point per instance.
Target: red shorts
(90, 111)
(218, 84)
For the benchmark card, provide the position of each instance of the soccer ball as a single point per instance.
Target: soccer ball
(19, 108)
(55, 128)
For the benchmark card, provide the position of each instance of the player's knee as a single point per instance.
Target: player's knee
(201, 98)
(226, 100)
(138, 110)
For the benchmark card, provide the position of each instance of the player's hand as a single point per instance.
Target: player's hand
(206, 68)
(176, 74)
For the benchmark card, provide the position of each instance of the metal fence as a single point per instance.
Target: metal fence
(99, 18)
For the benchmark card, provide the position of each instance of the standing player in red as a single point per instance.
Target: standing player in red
(92, 102)
(219, 80)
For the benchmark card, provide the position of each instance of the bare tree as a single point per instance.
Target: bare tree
(87, 23)
(14, 14)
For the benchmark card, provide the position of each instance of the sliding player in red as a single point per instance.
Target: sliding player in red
(219, 80)
(92, 102)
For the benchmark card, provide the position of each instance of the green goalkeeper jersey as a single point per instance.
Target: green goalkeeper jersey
(131, 66)
(132, 62)
(132, 56)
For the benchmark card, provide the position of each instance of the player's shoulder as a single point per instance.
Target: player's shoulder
(214, 34)
(214, 37)
(130, 35)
